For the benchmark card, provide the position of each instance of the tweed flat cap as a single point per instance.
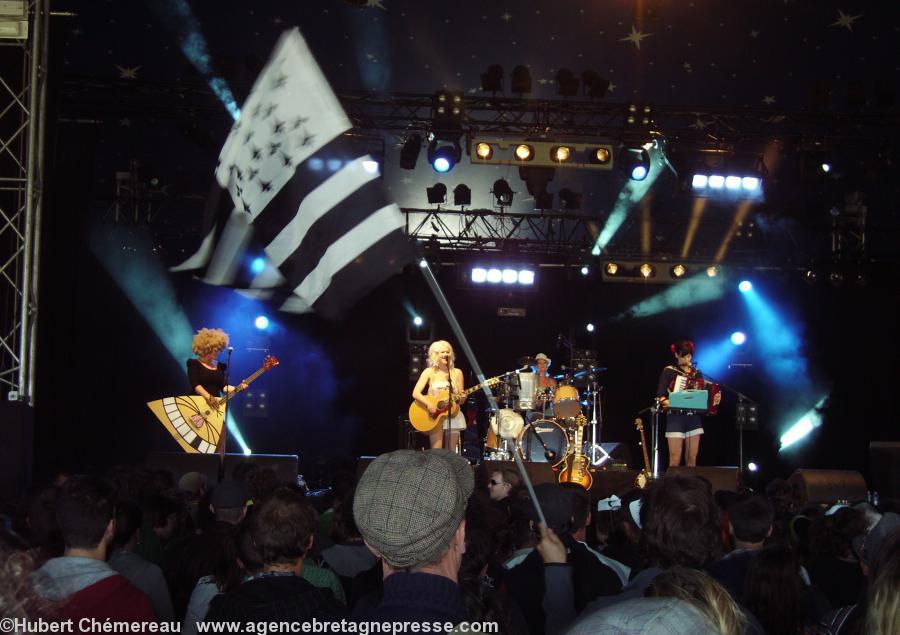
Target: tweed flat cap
(408, 504)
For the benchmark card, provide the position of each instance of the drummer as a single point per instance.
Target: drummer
(545, 383)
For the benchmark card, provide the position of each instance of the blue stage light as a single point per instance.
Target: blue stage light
(417, 320)
(258, 264)
(699, 181)
(738, 338)
(441, 164)
(261, 322)
(717, 181)
(589, 327)
(638, 173)
(745, 286)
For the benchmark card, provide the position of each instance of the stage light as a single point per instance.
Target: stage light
(612, 268)
(806, 424)
(261, 322)
(520, 80)
(442, 161)
(409, 153)
(678, 271)
(510, 276)
(524, 152)
(717, 181)
(492, 79)
(752, 467)
(566, 83)
(600, 155)
(417, 320)
(738, 338)
(479, 275)
(258, 264)
(811, 275)
(334, 165)
(443, 158)
(561, 154)
(732, 182)
(636, 163)
(370, 166)
(589, 327)
(647, 270)
(536, 180)
(745, 286)
(462, 195)
(526, 276)
(750, 183)
(594, 85)
(437, 193)
(712, 271)
(316, 164)
(585, 270)
(484, 151)
(699, 181)
(494, 276)
(502, 192)
(569, 199)
(826, 167)
(423, 264)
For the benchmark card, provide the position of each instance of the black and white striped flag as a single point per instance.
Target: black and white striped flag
(295, 191)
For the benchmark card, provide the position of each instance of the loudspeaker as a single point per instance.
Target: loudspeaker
(17, 449)
(180, 463)
(828, 486)
(722, 478)
(884, 457)
(286, 466)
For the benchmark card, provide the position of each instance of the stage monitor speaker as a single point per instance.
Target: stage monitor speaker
(17, 449)
(884, 457)
(722, 478)
(618, 452)
(180, 463)
(828, 486)
(286, 466)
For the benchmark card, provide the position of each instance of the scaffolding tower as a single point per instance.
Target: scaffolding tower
(23, 92)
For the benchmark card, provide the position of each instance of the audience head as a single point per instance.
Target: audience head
(229, 501)
(868, 547)
(751, 519)
(774, 590)
(193, 485)
(884, 600)
(581, 506)
(410, 507)
(503, 482)
(84, 512)
(282, 528)
(163, 512)
(344, 528)
(832, 534)
(680, 522)
(703, 593)
(646, 616)
(556, 503)
(129, 518)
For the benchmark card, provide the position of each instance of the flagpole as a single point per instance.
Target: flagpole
(470, 355)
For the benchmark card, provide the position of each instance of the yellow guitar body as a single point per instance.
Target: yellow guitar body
(578, 470)
(420, 418)
(192, 422)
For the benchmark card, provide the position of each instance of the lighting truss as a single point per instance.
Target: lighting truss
(22, 107)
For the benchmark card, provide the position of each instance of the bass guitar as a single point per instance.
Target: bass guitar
(644, 478)
(577, 469)
(192, 422)
(422, 420)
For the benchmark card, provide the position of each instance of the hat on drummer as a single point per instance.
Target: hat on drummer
(541, 356)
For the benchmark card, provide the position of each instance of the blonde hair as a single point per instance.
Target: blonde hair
(209, 342)
(884, 603)
(433, 357)
(703, 593)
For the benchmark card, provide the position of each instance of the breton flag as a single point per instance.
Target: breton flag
(295, 191)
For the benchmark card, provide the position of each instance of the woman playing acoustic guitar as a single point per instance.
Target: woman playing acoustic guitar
(438, 377)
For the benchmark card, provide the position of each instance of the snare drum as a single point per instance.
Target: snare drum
(566, 402)
(527, 386)
(551, 433)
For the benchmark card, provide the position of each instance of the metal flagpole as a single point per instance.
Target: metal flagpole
(470, 355)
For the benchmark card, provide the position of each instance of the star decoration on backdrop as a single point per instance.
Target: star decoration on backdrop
(768, 100)
(375, 4)
(635, 37)
(506, 17)
(754, 33)
(611, 87)
(845, 20)
(128, 72)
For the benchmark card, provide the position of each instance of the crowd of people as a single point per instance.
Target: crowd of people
(422, 537)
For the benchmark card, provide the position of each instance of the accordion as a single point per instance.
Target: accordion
(693, 395)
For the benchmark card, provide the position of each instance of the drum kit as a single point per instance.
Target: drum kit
(540, 423)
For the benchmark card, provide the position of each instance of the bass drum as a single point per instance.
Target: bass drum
(552, 434)
(566, 402)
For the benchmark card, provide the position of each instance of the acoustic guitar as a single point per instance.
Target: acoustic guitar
(192, 422)
(577, 469)
(422, 420)
(643, 479)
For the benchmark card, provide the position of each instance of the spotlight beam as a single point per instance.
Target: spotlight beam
(694, 223)
(743, 209)
(694, 290)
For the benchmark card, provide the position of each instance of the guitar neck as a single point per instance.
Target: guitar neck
(249, 380)
(640, 428)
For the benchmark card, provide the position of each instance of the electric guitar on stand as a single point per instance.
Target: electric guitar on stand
(577, 470)
(192, 422)
(422, 420)
(644, 478)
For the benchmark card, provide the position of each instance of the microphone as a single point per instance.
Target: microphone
(550, 455)
(231, 349)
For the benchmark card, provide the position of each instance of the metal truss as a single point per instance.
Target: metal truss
(22, 108)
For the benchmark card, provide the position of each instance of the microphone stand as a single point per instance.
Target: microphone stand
(596, 426)
(447, 435)
(741, 399)
(654, 436)
(224, 436)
